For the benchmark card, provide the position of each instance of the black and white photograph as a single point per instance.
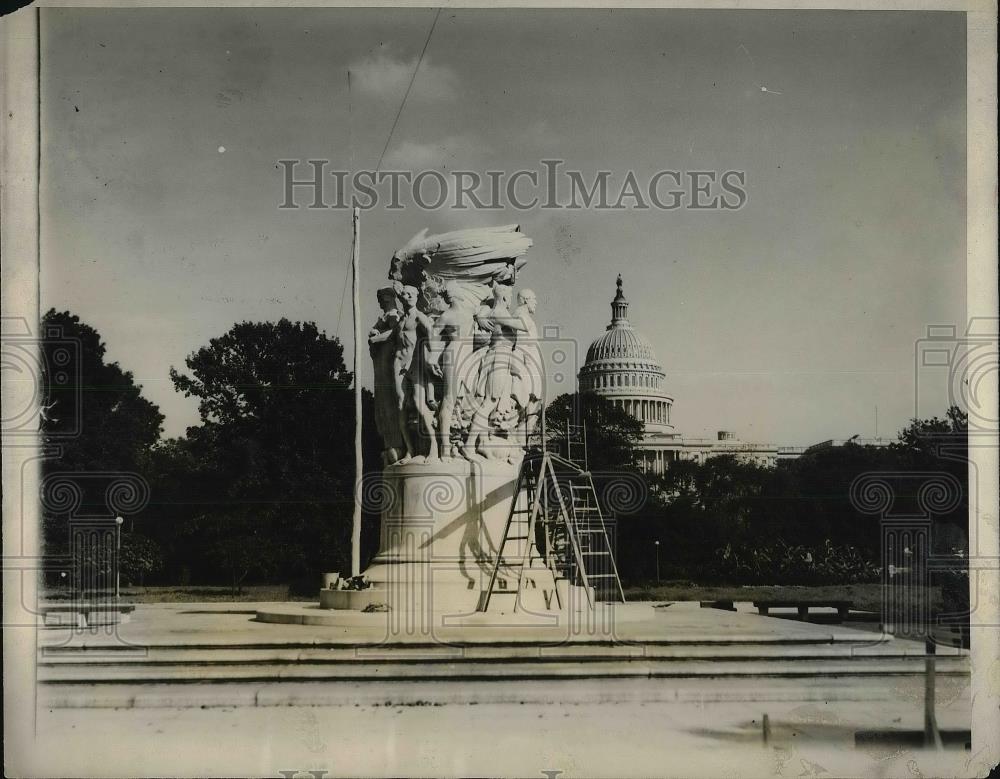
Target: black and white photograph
(467, 390)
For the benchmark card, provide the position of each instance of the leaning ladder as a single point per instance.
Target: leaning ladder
(592, 536)
(561, 495)
(576, 445)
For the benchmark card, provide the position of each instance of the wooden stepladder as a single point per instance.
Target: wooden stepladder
(558, 496)
(575, 445)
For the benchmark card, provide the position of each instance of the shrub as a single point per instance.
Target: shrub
(782, 563)
(141, 556)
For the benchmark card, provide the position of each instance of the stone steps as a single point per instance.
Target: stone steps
(455, 691)
(179, 654)
(485, 671)
(185, 656)
(180, 664)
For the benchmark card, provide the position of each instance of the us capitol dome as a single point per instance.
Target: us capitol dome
(622, 368)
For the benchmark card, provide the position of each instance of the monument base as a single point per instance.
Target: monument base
(442, 524)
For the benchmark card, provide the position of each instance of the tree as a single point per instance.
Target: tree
(94, 418)
(140, 557)
(763, 523)
(612, 434)
(943, 445)
(927, 436)
(93, 410)
(273, 458)
(260, 369)
(693, 510)
(276, 405)
(940, 445)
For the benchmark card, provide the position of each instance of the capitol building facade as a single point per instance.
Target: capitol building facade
(621, 367)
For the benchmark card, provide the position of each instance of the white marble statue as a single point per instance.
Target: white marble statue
(412, 373)
(453, 331)
(496, 408)
(381, 346)
(456, 339)
(528, 387)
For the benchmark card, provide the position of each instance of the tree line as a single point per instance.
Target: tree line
(262, 489)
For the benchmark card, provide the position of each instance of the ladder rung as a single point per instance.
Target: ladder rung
(573, 522)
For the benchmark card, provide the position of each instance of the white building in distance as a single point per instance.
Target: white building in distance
(621, 367)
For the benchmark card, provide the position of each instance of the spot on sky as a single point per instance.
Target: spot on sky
(222, 150)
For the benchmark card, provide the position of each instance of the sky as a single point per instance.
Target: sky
(787, 321)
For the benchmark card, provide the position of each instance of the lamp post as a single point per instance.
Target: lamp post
(657, 545)
(118, 556)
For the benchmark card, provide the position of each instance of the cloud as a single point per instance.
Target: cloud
(456, 151)
(540, 135)
(384, 76)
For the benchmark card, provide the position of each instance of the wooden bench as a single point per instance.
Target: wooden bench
(86, 614)
(725, 605)
(842, 606)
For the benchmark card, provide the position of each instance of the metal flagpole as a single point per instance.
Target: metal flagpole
(355, 299)
(356, 527)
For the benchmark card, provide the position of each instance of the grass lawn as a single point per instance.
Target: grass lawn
(864, 597)
(196, 593)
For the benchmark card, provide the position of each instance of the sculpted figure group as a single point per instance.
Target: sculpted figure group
(457, 373)
(457, 383)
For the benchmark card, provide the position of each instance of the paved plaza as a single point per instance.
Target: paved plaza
(672, 688)
(584, 728)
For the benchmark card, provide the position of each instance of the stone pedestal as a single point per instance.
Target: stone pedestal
(441, 525)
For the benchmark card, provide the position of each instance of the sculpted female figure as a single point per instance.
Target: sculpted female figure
(493, 390)
(382, 350)
(411, 371)
(454, 329)
(528, 379)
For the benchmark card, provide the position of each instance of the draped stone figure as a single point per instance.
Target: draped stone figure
(413, 373)
(453, 331)
(496, 409)
(528, 387)
(381, 346)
